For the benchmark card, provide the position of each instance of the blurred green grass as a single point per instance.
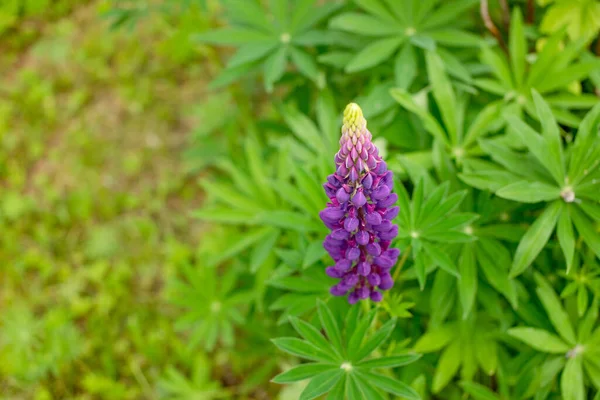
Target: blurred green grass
(95, 198)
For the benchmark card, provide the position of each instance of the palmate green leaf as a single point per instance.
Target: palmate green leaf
(529, 192)
(376, 8)
(436, 339)
(551, 133)
(572, 383)
(263, 249)
(405, 66)
(361, 389)
(305, 16)
(482, 123)
(495, 261)
(248, 13)
(321, 384)
(251, 52)
(305, 63)
(390, 361)
(314, 252)
(557, 314)
(486, 352)
(337, 392)
(454, 67)
(357, 337)
(535, 239)
(389, 385)
(585, 136)
(499, 67)
(567, 75)
(302, 372)
(539, 339)
(374, 53)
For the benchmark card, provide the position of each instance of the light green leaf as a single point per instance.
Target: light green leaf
(498, 65)
(251, 52)
(441, 259)
(551, 134)
(529, 192)
(262, 250)
(557, 314)
(479, 392)
(405, 66)
(314, 253)
(274, 67)
(539, 339)
(443, 93)
(232, 36)
(302, 372)
(314, 337)
(305, 63)
(586, 230)
(289, 220)
(390, 361)
(467, 285)
(447, 367)
(566, 237)
(486, 352)
(330, 325)
(571, 383)
(436, 339)
(376, 340)
(374, 54)
(321, 384)
(535, 239)
(302, 349)
(395, 387)
(518, 46)
(364, 25)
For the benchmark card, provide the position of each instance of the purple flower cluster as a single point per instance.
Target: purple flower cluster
(360, 214)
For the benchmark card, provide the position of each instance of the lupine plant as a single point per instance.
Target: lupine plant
(447, 250)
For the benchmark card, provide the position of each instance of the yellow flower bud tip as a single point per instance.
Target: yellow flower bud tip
(353, 116)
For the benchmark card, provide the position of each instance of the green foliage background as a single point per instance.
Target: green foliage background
(160, 181)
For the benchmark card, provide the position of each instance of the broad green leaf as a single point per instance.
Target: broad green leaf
(232, 36)
(306, 15)
(321, 384)
(358, 335)
(424, 41)
(251, 52)
(572, 382)
(554, 309)
(467, 285)
(302, 349)
(479, 392)
(498, 65)
(367, 391)
(586, 229)
(330, 325)
(274, 67)
(456, 68)
(482, 123)
(452, 37)
(446, 367)
(248, 12)
(592, 367)
(566, 237)
(441, 259)
(405, 66)
(376, 8)
(289, 220)
(262, 250)
(447, 13)
(376, 340)
(314, 252)
(443, 93)
(518, 46)
(312, 335)
(495, 261)
(551, 134)
(529, 192)
(535, 239)
(374, 53)
(305, 63)
(539, 339)
(390, 361)
(435, 339)
(486, 352)
(567, 75)
(390, 385)
(364, 25)
(302, 372)
(585, 134)
(430, 123)
(337, 392)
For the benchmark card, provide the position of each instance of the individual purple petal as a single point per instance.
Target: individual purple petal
(359, 199)
(350, 224)
(381, 167)
(367, 181)
(352, 253)
(362, 237)
(331, 214)
(384, 226)
(376, 296)
(388, 201)
(353, 175)
(388, 180)
(363, 268)
(341, 195)
(383, 262)
(374, 218)
(389, 235)
(343, 265)
(363, 292)
(374, 249)
(333, 272)
(340, 234)
(380, 193)
(353, 298)
(374, 279)
(349, 280)
(391, 213)
(386, 281)
(392, 253)
(338, 290)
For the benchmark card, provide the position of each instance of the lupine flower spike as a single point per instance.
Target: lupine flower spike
(360, 214)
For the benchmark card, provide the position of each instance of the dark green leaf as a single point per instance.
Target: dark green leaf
(321, 384)
(374, 54)
(302, 372)
(330, 325)
(395, 387)
(390, 361)
(539, 339)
